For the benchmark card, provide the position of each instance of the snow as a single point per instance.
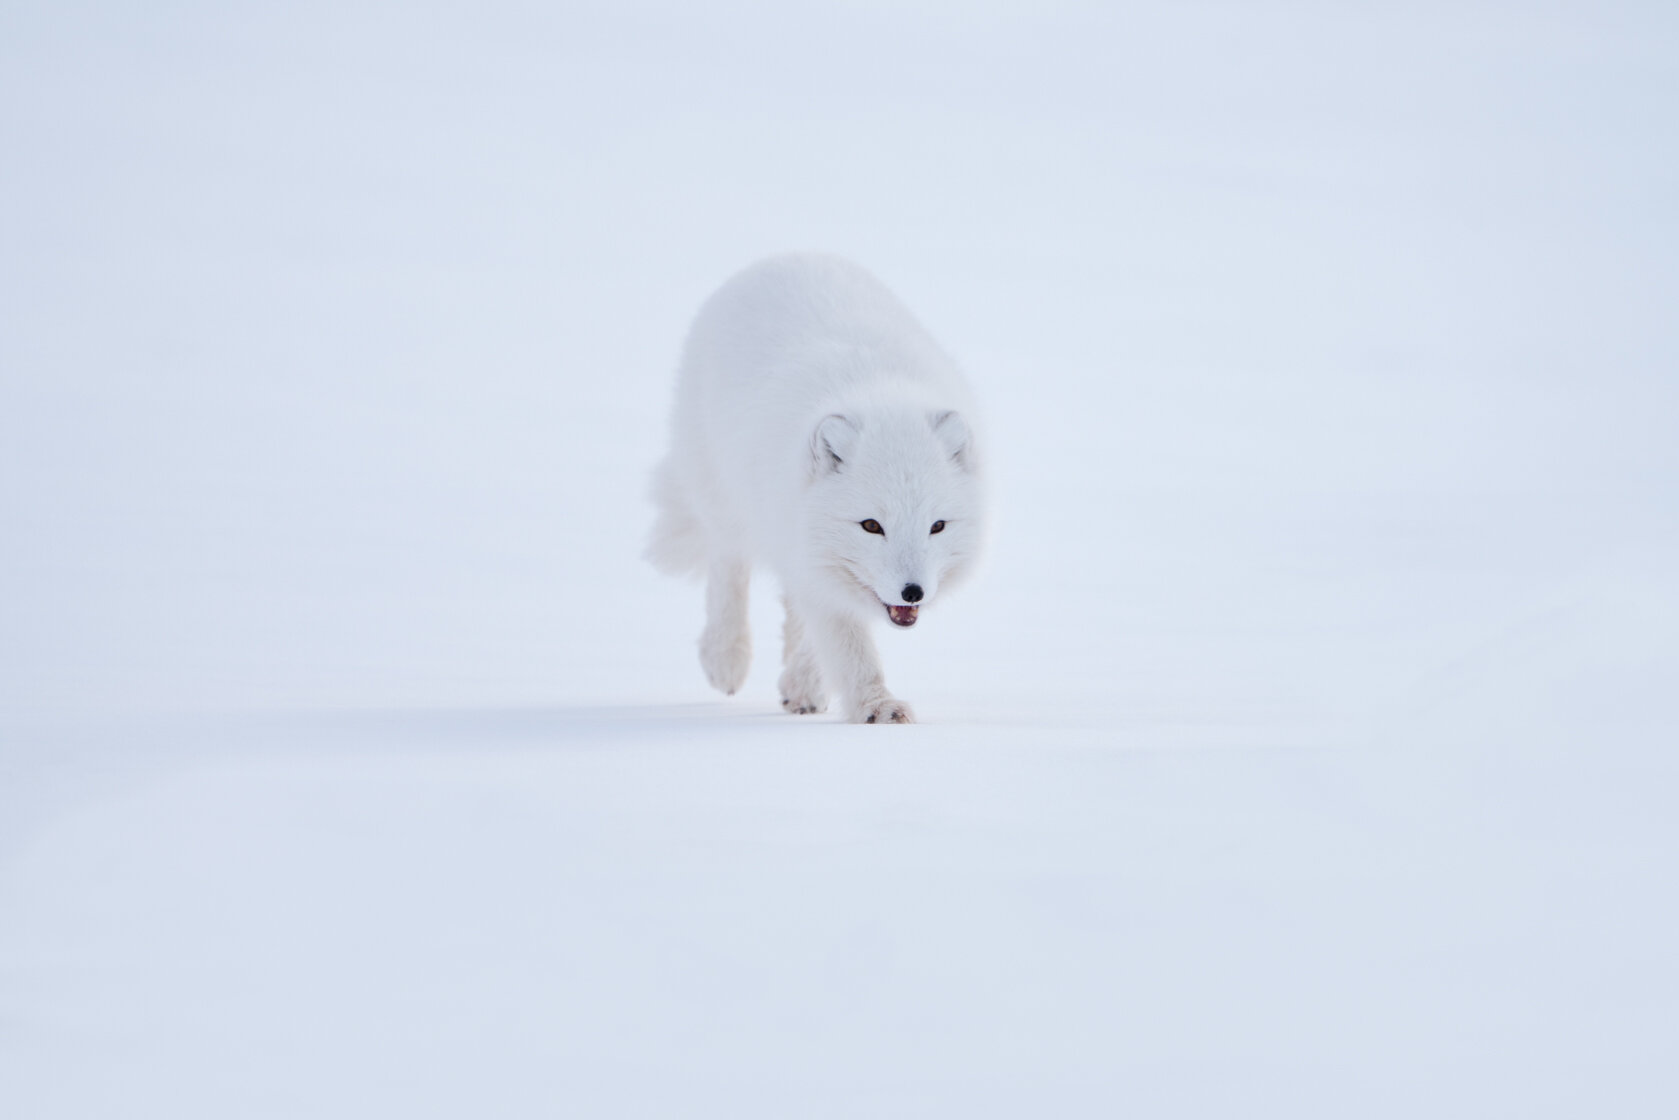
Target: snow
(1306, 749)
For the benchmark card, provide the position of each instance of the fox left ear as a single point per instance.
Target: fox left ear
(952, 431)
(831, 443)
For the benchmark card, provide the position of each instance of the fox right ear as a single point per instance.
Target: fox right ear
(831, 443)
(952, 431)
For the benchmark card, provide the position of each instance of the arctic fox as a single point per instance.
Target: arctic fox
(820, 432)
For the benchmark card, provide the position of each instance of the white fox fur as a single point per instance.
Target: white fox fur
(809, 403)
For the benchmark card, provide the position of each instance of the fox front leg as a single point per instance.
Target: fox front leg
(850, 662)
(726, 641)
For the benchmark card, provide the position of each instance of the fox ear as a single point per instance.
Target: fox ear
(952, 431)
(831, 443)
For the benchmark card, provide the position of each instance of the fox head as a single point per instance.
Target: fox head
(893, 509)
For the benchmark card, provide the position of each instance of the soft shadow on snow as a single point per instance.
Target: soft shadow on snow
(630, 909)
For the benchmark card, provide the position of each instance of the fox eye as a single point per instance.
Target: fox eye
(938, 526)
(873, 526)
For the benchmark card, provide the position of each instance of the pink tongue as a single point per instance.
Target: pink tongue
(903, 616)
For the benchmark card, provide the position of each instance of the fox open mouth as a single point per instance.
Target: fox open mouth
(902, 616)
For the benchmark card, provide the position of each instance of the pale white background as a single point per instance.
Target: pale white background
(1307, 749)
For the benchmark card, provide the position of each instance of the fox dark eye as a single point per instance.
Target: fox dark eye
(938, 526)
(873, 526)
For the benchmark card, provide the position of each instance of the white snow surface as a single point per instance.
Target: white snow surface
(1307, 747)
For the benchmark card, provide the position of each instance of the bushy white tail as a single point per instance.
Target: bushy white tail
(676, 545)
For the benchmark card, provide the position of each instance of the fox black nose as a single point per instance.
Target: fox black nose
(912, 593)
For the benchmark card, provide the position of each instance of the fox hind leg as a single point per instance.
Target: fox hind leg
(802, 691)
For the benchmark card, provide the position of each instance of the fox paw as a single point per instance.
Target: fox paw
(884, 710)
(805, 707)
(801, 693)
(725, 659)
